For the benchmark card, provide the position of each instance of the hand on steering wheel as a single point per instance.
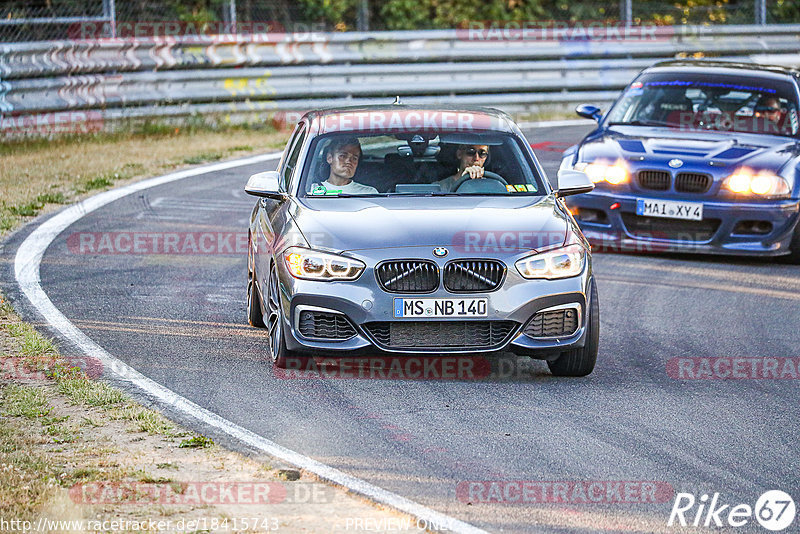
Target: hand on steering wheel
(486, 174)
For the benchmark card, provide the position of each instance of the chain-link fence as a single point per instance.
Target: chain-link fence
(33, 20)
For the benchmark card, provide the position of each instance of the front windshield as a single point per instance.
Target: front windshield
(701, 102)
(418, 164)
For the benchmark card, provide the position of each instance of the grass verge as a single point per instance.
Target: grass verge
(41, 453)
(39, 174)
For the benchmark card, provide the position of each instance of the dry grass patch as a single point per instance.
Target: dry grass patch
(35, 174)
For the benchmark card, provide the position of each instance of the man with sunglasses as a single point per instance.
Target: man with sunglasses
(769, 110)
(471, 159)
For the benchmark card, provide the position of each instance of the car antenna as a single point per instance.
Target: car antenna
(397, 101)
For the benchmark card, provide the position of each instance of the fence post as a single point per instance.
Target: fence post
(761, 12)
(232, 11)
(626, 12)
(362, 16)
(110, 14)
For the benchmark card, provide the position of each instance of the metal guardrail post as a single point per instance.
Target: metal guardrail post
(362, 17)
(761, 12)
(232, 12)
(110, 13)
(627, 11)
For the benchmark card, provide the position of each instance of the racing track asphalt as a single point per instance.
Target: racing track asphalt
(180, 320)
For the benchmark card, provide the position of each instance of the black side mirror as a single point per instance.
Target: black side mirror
(588, 111)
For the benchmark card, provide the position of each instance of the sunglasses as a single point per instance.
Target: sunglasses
(767, 109)
(481, 153)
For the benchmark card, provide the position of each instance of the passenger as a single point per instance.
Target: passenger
(343, 156)
(471, 159)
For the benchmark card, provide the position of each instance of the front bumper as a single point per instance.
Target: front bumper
(363, 301)
(719, 233)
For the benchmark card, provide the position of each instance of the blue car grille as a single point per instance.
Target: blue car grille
(656, 180)
(685, 182)
(452, 335)
(324, 325)
(692, 182)
(466, 276)
(408, 276)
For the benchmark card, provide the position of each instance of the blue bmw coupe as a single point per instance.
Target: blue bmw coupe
(695, 156)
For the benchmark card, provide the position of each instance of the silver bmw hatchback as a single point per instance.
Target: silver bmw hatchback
(397, 229)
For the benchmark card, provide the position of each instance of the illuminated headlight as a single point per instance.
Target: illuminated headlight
(561, 262)
(601, 171)
(746, 181)
(313, 265)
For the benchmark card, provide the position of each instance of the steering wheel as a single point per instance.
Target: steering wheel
(486, 174)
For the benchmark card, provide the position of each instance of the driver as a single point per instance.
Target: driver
(471, 159)
(769, 108)
(343, 156)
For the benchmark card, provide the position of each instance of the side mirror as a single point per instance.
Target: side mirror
(589, 112)
(264, 184)
(573, 183)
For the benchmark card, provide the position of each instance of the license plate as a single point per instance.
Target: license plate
(440, 307)
(692, 211)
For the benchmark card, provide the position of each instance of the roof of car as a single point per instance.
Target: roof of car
(772, 71)
(396, 117)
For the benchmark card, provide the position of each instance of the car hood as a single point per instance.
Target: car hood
(698, 149)
(479, 224)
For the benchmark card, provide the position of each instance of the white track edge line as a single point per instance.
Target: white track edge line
(26, 270)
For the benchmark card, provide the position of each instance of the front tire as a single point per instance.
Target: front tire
(581, 361)
(277, 342)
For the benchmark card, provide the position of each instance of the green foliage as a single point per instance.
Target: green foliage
(336, 13)
(783, 11)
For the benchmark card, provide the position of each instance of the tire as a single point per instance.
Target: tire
(794, 247)
(254, 315)
(277, 340)
(580, 361)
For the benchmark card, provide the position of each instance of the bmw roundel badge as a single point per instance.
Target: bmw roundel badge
(440, 252)
(675, 163)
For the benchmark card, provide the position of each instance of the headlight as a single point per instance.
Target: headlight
(601, 171)
(561, 262)
(313, 265)
(745, 181)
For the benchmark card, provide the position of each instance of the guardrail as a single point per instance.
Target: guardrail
(253, 76)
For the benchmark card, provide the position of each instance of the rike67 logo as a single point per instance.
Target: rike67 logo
(774, 510)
